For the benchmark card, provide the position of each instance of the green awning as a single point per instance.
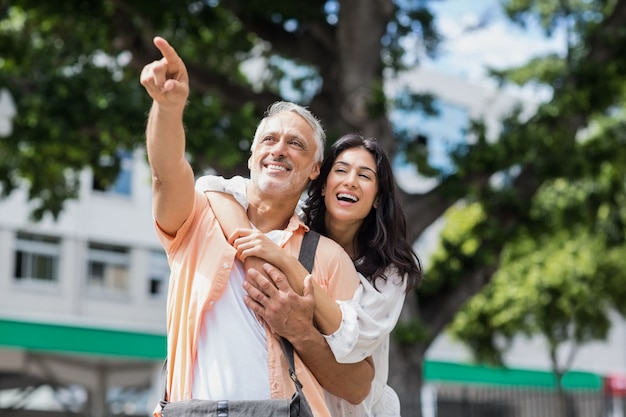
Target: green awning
(85, 340)
(435, 371)
(148, 346)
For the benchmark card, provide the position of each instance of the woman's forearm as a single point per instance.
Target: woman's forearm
(327, 312)
(231, 216)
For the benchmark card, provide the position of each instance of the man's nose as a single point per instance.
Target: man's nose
(279, 148)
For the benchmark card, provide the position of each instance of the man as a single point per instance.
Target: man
(217, 349)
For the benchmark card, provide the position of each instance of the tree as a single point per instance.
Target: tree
(73, 67)
(552, 284)
(84, 59)
(562, 273)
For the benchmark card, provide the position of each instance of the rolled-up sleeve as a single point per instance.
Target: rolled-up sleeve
(235, 186)
(368, 317)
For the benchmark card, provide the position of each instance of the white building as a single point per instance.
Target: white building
(82, 299)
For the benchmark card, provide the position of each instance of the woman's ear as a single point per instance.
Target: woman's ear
(375, 205)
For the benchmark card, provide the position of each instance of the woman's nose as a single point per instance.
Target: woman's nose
(350, 180)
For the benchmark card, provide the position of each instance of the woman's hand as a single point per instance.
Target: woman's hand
(250, 242)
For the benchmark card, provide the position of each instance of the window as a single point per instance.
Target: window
(36, 258)
(107, 269)
(158, 273)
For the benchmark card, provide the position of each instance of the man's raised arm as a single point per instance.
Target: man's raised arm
(166, 81)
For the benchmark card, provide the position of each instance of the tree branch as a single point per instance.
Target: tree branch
(437, 311)
(311, 42)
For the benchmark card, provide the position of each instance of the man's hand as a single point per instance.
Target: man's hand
(166, 80)
(287, 313)
(291, 316)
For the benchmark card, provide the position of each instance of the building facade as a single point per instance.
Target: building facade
(82, 298)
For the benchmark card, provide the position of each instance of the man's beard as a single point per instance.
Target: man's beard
(292, 185)
(269, 185)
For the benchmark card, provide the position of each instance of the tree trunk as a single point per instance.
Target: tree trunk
(406, 377)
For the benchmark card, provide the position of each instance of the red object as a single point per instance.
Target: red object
(615, 385)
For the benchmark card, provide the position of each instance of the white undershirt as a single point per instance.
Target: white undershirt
(231, 361)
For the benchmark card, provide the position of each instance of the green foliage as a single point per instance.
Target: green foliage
(541, 293)
(552, 13)
(73, 70)
(547, 69)
(69, 111)
(412, 17)
(559, 273)
(79, 101)
(410, 333)
(411, 149)
(560, 280)
(458, 249)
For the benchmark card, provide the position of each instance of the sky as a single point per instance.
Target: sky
(499, 44)
(469, 49)
(468, 53)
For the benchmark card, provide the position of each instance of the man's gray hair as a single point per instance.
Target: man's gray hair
(285, 106)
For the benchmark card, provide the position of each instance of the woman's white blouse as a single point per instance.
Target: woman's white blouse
(368, 319)
(369, 315)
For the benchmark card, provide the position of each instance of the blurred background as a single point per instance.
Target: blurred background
(505, 122)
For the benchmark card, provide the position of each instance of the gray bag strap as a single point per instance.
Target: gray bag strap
(307, 259)
(308, 248)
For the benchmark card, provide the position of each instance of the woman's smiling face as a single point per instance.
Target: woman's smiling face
(351, 187)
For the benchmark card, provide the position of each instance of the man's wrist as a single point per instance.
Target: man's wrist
(305, 337)
(166, 107)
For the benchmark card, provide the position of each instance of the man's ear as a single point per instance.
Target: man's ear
(315, 171)
(250, 162)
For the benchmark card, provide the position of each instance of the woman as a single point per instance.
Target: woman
(353, 201)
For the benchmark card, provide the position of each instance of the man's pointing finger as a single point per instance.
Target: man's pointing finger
(166, 49)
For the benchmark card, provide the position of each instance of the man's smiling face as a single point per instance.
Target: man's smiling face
(283, 160)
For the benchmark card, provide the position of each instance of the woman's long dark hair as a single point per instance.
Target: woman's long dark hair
(381, 239)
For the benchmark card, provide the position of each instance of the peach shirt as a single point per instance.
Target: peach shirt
(201, 260)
